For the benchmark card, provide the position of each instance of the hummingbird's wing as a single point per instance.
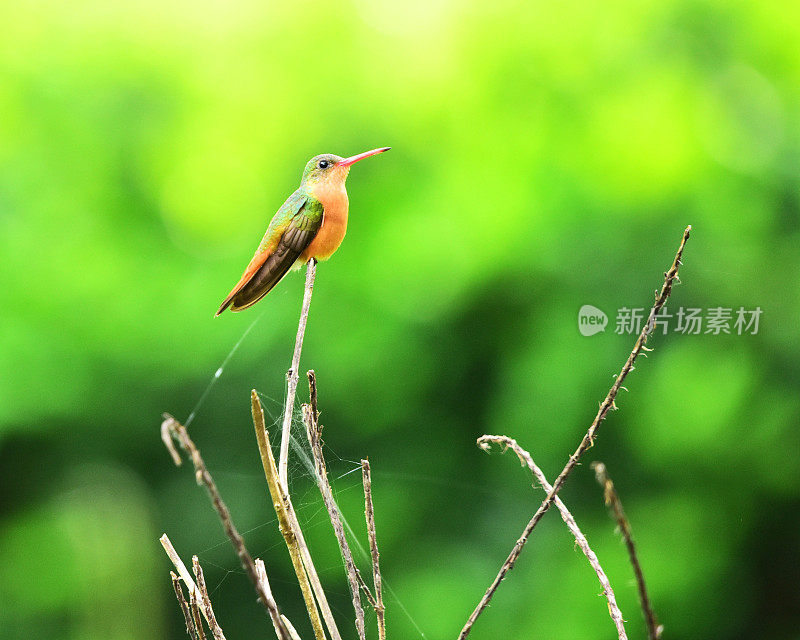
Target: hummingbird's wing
(290, 232)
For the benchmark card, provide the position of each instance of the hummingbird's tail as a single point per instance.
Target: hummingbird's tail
(225, 304)
(271, 263)
(251, 288)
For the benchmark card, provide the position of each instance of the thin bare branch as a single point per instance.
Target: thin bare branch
(166, 438)
(369, 513)
(313, 432)
(290, 528)
(194, 590)
(484, 442)
(612, 501)
(313, 396)
(365, 588)
(204, 478)
(204, 597)
(292, 631)
(282, 624)
(176, 586)
(293, 375)
(588, 439)
(198, 620)
(284, 522)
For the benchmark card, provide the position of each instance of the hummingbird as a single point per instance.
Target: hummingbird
(310, 225)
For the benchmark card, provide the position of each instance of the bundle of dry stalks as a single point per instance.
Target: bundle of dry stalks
(198, 608)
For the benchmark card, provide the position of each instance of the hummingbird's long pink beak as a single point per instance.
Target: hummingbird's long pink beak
(353, 159)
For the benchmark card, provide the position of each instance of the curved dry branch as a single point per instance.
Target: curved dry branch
(526, 459)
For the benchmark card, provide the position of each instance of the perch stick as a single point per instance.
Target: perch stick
(292, 376)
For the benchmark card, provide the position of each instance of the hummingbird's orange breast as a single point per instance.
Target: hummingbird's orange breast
(334, 221)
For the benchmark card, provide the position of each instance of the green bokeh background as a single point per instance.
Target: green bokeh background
(545, 156)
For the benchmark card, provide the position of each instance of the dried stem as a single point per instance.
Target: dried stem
(204, 597)
(198, 621)
(369, 513)
(166, 437)
(612, 501)
(176, 586)
(365, 588)
(292, 630)
(284, 522)
(290, 528)
(292, 376)
(194, 591)
(588, 439)
(281, 624)
(204, 478)
(313, 432)
(484, 442)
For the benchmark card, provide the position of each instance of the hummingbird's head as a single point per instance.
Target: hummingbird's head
(323, 167)
(330, 168)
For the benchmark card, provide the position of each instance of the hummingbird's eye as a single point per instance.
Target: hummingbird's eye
(323, 164)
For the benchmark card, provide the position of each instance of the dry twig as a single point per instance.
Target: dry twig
(292, 630)
(484, 442)
(588, 439)
(284, 523)
(290, 528)
(365, 588)
(283, 623)
(314, 432)
(369, 513)
(198, 621)
(201, 584)
(292, 376)
(612, 501)
(200, 597)
(203, 477)
(176, 586)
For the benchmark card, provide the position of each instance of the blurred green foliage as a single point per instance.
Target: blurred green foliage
(545, 156)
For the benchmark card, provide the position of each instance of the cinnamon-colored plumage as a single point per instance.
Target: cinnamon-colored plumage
(311, 224)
